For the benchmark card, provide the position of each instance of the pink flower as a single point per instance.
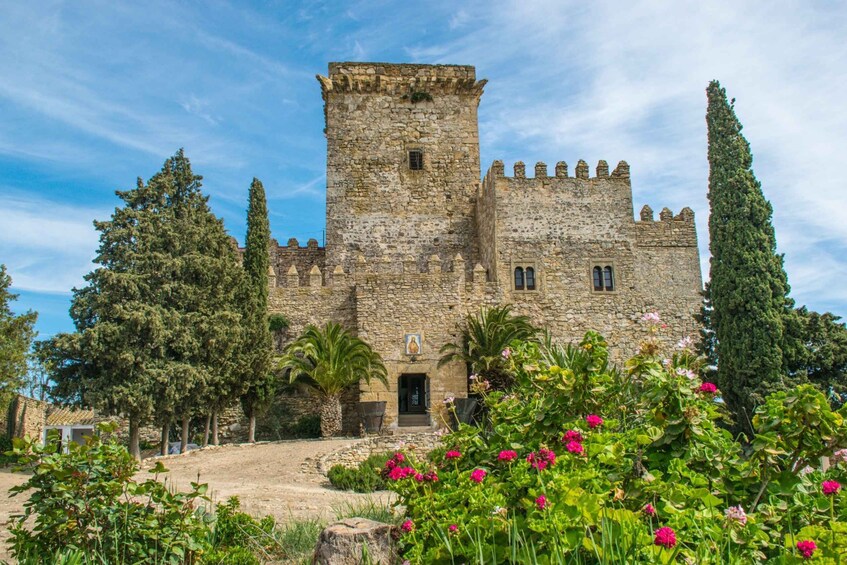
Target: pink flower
(572, 435)
(651, 318)
(736, 514)
(649, 510)
(390, 464)
(478, 475)
(575, 447)
(399, 457)
(452, 528)
(830, 487)
(419, 477)
(839, 456)
(665, 537)
(541, 502)
(687, 373)
(806, 548)
(708, 388)
(506, 353)
(452, 454)
(507, 455)
(431, 477)
(593, 421)
(542, 459)
(408, 526)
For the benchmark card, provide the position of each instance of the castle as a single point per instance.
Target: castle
(415, 241)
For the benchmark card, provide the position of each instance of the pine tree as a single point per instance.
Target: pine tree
(748, 285)
(16, 335)
(260, 379)
(158, 323)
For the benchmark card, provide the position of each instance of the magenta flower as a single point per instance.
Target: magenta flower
(478, 475)
(708, 388)
(649, 510)
(541, 502)
(398, 473)
(452, 454)
(542, 459)
(806, 548)
(572, 435)
(390, 464)
(665, 537)
(399, 457)
(830, 487)
(575, 447)
(419, 477)
(507, 455)
(593, 421)
(506, 353)
(408, 526)
(431, 477)
(453, 528)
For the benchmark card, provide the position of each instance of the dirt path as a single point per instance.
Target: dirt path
(279, 479)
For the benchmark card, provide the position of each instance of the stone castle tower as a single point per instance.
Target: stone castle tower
(415, 241)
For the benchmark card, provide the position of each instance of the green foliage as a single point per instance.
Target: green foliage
(260, 382)
(485, 336)
(749, 286)
(158, 324)
(16, 335)
(87, 500)
(823, 355)
(659, 444)
(278, 323)
(329, 360)
(365, 477)
(370, 509)
(5, 447)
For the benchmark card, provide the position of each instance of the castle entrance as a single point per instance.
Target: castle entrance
(413, 400)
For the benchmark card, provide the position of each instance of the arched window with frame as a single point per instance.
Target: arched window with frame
(598, 278)
(519, 278)
(608, 278)
(530, 278)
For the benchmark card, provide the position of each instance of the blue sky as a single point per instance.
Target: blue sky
(95, 94)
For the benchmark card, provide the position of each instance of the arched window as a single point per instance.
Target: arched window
(608, 278)
(519, 279)
(530, 278)
(598, 278)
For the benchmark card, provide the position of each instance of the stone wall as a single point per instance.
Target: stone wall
(23, 417)
(376, 205)
(418, 445)
(303, 259)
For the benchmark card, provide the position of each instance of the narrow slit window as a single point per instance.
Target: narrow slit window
(416, 160)
(608, 278)
(519, 279)
(598, 278)
(530, 278)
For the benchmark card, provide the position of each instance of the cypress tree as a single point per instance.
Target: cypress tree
(258, 336)
(748, 285)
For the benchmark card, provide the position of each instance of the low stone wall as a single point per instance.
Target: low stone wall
(23, 417)
(419, 445)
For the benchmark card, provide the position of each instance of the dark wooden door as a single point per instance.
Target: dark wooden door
(412, 394)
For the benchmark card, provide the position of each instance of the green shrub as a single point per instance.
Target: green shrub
(5, 447)
(87, 500)
(366, 477)
(582, 462)
(234, 531)
(308, 426)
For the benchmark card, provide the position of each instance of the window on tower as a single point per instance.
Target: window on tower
(416, 160)
(603, 278)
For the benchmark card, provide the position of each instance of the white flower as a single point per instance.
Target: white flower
(449, 400)
(685, 343)
(473, 377)
(683, 372)
(651, 318)
(806, 470)
(839, 456)
(736, 514)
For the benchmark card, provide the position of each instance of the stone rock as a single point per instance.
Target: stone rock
(341, 543)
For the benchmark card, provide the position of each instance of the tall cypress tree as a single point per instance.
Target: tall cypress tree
(748, 286)
(256, 265)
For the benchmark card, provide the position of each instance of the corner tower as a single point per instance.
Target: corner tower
(402, 162)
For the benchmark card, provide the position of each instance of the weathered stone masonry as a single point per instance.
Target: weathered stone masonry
(414, 251)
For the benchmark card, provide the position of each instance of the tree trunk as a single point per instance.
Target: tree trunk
(207, 429)
(331, 416)
(215, 428)
(166, 432)
(251, 426)
(134, 432)
(183, 439)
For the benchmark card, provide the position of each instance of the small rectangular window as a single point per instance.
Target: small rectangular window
(415, 160)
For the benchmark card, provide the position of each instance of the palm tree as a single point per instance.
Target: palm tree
(330, 360)
(484, 338)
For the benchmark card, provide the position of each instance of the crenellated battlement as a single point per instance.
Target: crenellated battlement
(400, 79)
(668, 231)
(560, 171)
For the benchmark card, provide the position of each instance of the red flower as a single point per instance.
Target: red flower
(665, 537)
(572, 435)
(408, 526)
(708, 388)
(593, 421)
(507, 455)
(806, 548)
(478, 475)
(541, 502)
(649, 510)
(452, 454)
(830, 487)
(575, 447)
(453, 528)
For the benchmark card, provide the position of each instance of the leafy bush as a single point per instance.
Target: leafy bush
(366, 477)
(582, 462)
(5, 447)
(87, 500)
